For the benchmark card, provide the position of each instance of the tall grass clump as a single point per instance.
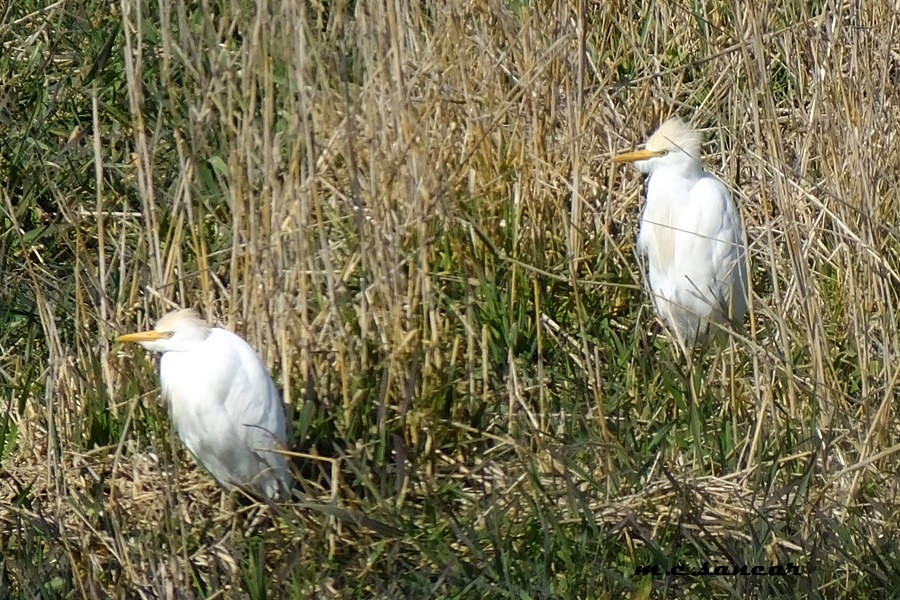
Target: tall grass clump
(408, 209)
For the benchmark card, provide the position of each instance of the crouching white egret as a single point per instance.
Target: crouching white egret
(691, 237)
(222, 401)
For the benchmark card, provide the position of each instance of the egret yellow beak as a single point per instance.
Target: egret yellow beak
(144, 336)
(636, 156)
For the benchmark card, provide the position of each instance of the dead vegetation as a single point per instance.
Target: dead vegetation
(408, 209)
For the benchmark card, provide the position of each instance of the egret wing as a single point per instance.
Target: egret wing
(711, 250)
(255, 408)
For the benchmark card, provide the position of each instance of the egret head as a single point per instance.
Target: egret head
(177, 331)
(674, 146)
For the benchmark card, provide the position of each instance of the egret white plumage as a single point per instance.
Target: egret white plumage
(222, 401)
(691, 237)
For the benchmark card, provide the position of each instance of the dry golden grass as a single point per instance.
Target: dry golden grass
(408, 209)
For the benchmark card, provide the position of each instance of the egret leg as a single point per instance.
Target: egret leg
(695, 381)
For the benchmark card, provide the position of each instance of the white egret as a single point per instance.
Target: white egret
(222, 401)
(691, 237)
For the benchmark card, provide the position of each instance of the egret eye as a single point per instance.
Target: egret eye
(663, 152)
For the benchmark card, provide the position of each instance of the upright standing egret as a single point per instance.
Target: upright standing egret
(691, 236)
(222, 401)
